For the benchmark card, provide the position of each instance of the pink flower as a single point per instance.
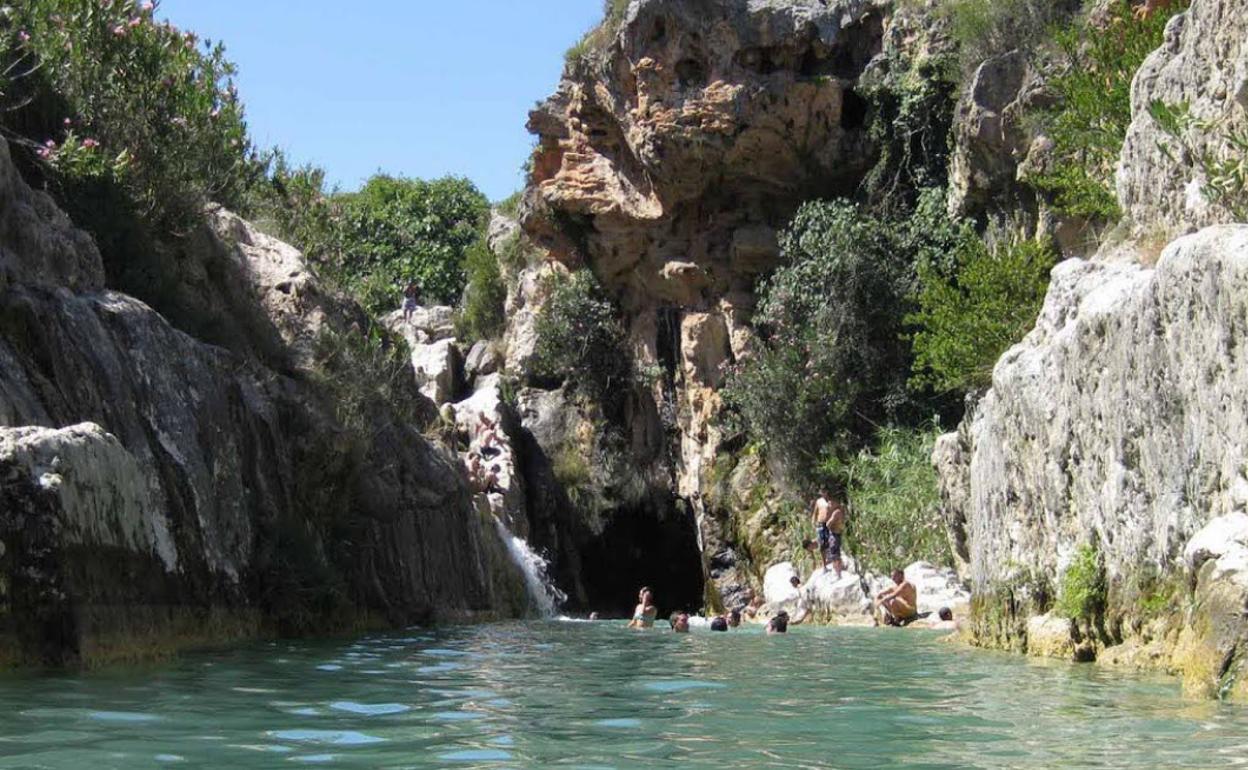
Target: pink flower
(44, 152)
(23, 36)
(50, 143)
(119, 30)
(147, 7)
(90, 144)
(68, 122)
(136, 21)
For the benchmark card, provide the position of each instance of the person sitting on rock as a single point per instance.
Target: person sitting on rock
(646, 612)
(474, 470)
(411, 301)
(897, 606)
(778, 624)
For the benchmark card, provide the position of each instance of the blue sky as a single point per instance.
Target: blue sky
(418, 88)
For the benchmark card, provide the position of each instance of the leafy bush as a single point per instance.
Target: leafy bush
(969, 316)
(395, 231)
(894, 500)
(133, 124)
(482, 315)
(363, 368)
(579, 337)
(1082, 591)
(987, 28)
(833, 359)
(1093, 111)
(1220, 151)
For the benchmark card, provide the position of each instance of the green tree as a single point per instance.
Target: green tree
(580, 339)
(833, 359)
(395, 231)
(971, 314)
(1089, 120)
(482, 315)
(894, 499)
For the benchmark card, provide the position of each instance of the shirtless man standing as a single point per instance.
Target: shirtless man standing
(898, 604)
(829, 519)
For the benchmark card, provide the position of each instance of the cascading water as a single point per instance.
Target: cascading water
(546, 597)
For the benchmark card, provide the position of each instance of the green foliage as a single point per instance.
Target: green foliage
(911, 117)
(361, 369)
(987, 28)
(395, 231)
(834, 359)
(132, 123)
(482, 315)
(970, 315)
(292, 205)
(894, 500)
(1093, 110)
(1082, 591)
(579, 337)
(1221, 153)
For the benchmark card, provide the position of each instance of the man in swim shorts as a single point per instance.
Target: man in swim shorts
(898, 605)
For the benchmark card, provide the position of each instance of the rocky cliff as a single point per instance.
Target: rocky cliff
(667, 161)
(157, 490)
(1106, 460)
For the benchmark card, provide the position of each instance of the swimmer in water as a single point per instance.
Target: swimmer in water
(680, 622)
(646, 612)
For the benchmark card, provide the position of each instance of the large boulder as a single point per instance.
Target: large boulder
(439, 370)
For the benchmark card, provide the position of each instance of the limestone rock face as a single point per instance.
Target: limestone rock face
(1201, 70)
(98, 490)
(990, 139)
(439, 368)
(696, 134)
(1119, 421)
(163, 488)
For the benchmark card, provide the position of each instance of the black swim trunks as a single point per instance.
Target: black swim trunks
(823, 533)
(834, 545)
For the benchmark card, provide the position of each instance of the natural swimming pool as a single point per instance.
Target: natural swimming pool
(581, 695)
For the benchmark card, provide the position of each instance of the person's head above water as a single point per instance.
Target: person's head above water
(719, 624)
(945, 614)
(645, 596)
(680, 622)
(593, 616)
(779, 624)
(795, 581)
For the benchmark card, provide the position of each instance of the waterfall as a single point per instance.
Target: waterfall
(546, 597)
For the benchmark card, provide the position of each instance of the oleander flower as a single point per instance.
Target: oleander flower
(90, 144)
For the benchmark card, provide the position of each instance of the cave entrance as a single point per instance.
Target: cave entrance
(644, 547)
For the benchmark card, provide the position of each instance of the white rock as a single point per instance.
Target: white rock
(1121, 416)
(439, 369)
(102, 496)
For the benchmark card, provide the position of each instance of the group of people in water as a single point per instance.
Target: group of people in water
(896, 605)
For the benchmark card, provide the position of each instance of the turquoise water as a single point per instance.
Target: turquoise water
(551, 694)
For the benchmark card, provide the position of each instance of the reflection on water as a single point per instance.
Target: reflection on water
(550, 694)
